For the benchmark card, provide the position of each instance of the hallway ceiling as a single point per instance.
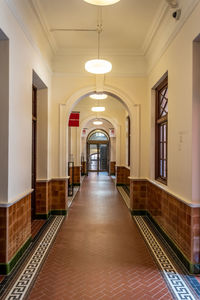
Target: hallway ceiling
(126, 25)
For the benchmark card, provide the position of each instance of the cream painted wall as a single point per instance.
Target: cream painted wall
(4, 118)
(114, 111)
(178, 61)
(25, 55)
(64, 86)
(23, 59)
(42, 135)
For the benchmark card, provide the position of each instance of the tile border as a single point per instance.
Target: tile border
(177, 284)
(192, 268)
(29, 272)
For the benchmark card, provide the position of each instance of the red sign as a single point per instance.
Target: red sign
(74, 119)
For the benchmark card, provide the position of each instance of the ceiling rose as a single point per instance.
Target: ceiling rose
(102, 2)
(99, 96)
(98, 66)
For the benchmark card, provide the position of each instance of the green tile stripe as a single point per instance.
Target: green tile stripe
(6, 268)
(59, 212)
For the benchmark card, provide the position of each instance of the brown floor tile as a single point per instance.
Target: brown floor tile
(99, 252)
(36, 225)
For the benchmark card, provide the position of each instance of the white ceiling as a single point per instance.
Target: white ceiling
(126, 25)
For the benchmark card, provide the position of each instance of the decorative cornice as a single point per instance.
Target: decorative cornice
(186, 11)
(13, 8)
(43, 23)
(154, 27)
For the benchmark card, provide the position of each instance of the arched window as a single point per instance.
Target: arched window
(98, 136)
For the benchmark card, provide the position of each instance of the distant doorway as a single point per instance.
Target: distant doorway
(98, 151)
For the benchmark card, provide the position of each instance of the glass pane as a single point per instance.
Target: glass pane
(161, 130)
(165, 169)
(98, 136)
(161, 168)
(165, 132)
(103, 159)
(163, 102)
(93, 157)
(161, 150)
(165, 150)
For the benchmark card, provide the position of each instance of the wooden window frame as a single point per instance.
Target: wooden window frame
(129, 141)
(159, 123)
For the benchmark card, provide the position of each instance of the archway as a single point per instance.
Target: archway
(134, 113)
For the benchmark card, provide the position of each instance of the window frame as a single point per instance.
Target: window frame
(160, 122)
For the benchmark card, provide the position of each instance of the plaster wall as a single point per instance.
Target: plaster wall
(178, 62)
(23, 58)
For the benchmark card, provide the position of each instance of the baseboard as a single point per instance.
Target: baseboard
(57, 212)
(42, 216)
(6, 268)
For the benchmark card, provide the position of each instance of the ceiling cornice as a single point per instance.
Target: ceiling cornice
(154, 27)
(170, 33)
(93, 51)
(44, 24)
(16, 13)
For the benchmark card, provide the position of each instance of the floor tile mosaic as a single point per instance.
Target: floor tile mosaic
(27, 276)
(176, 282)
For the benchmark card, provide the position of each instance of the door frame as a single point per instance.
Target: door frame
(97, 142)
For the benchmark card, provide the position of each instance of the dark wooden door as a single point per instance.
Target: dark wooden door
(34, 145)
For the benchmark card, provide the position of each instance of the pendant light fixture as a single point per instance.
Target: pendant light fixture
(102, 2)
(98, 66)
(97, 122)
(98, 96)
(98, 108)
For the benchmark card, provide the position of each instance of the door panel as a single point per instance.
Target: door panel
(97, 157)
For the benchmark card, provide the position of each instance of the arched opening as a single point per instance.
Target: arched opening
(98, 147)
(133, 110)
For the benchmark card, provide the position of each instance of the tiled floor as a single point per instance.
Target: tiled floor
(36, 225)
(1, 278)
(99, 252)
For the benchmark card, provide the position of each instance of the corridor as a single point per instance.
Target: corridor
(99, 252)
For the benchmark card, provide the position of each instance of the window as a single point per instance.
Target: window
(98, 136)
(161, 131)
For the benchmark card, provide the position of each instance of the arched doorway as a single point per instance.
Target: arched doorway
(98, 151)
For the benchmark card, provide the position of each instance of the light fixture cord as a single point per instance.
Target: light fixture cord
(99, 29)
(99, 43)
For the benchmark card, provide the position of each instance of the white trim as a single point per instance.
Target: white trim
(17, 199)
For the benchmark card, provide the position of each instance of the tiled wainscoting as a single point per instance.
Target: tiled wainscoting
(51, 197)
(178, 221)
(15, 232)
(112, 168)
(122, 175)
(75, 174)
(15, 219)
(83, 168)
